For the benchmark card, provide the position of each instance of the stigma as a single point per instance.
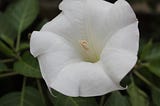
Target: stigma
(84, 44)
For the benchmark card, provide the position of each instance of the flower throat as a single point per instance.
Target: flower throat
(89, 52)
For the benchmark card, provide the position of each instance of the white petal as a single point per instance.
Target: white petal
(42, 42)
(118, 17)
(118, 63)
(69, 23)
(93, 20)
(62, 27)
(53, 52)
(120, 53)
(84, 79)
(75, 21)
(126, 38)
(99, 19)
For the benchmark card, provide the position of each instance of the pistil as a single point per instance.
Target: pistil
(89, 54)
(84, 44)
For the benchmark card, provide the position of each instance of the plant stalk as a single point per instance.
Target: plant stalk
(8, 74)
(102, 100)
(146, 81)
(41, 91)
(23, 91)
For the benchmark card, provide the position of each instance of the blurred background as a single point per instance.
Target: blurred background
(20, 79)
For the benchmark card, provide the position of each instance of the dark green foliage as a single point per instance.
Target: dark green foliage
(3, 67)
(151, 57)
(27, 66)
(117, 99)
(7, 31)
(156, 97)
(22, 13)
(137, 96)
(6, 50)
(62, 100)
(31, 97)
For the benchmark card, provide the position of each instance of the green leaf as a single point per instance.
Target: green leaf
(6, 50)
(7, 39)
(28, 66)
(62, 100)
(22, 13)
(154, 67)
(154, 53)
(151, 55)
(146, 48)
(7, 31)
(24, 46)
(31, 98)
(116, 99)
(155, 97)
(11, 99)
(137, 96)
(3, 67)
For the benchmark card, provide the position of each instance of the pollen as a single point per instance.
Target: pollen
(84, 44)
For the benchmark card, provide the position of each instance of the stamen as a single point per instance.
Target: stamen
(84, 44)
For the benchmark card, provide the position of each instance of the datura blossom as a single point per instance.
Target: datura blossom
(88, 48)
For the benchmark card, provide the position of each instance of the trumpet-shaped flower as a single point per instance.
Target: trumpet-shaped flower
(88, 48)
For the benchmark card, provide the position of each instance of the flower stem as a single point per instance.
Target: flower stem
(23, 91)
(102, 100)
(41, 91)
(146, 81)
(8, 74)
(6, 60)
(18, 41)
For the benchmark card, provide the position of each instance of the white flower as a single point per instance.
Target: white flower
(88, 48)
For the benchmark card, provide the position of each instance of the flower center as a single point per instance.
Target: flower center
(89, 51)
